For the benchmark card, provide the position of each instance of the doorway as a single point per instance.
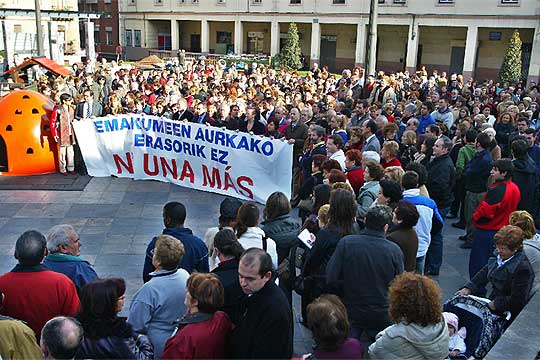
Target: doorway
(196, 43)
(3, 155)
(456, 60)
(328, 52)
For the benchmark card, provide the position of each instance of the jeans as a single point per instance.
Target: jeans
(420, 262)
(434, 255)
(482, 250)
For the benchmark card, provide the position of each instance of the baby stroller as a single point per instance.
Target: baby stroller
(483, 327)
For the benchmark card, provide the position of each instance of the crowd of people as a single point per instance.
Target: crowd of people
(379, 163)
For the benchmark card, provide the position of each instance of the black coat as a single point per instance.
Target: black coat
(511, 283)
(121, 344)
(527, 180)
(227, 272)
(284, 231)
(441, 180)
(264, 328)
(367, 263)
(299, 133)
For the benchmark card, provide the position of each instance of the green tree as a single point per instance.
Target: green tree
(511, 67)
(291, 57)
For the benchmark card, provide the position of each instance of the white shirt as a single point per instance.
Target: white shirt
(253, 238)
(339, 156)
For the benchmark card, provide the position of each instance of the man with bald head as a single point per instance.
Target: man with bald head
(61, 338)
(296, 134)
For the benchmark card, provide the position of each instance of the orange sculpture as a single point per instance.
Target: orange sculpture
(26, 144)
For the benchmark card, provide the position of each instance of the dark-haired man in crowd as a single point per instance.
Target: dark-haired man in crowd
(476, 176)
(369, 130)
(493, 213)
(441, 181)
(264, 326)
(367, 263)
(196, 252)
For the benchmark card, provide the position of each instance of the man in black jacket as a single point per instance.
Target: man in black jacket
(264, 321)
(367, 263)
(476, 183)
(440, 185)
(296, 134)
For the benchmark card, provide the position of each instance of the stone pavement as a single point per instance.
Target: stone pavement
(117, 217)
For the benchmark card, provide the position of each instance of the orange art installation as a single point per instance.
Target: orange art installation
(26, 144)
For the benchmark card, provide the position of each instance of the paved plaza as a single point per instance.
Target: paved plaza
(117, 217)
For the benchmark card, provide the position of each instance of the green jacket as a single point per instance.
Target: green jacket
(465, 155)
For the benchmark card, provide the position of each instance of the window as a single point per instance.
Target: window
(132, 2)
(221, 2)
(381, 1)
(256, 2)
(446, 1)
(97, 29)
(195, 2)
(296, 2)
(17, 28)
(137, 38)
(509, 2)
(339, 2)
(108, 35)
(129, 38)
(400, 2)
(158, 2)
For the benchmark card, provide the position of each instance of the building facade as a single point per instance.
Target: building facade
(106, 31)
(59, 25)
(462, 36)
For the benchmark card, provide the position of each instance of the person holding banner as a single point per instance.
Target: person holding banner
(61, 128)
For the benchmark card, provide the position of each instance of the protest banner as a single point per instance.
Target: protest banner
(202, 157)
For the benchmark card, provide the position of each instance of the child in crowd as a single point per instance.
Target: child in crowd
(456, 340)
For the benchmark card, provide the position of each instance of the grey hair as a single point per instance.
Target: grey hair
(59, 235)
(447, 143)
(371, 156)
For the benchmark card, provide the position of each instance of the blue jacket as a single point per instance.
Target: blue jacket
(534, 153)
(477, 172)
(423, 122)
(195, 257)
(74, 267)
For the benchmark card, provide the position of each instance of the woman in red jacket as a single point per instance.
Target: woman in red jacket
(203, 331)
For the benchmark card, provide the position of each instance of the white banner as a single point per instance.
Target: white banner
(206, 158)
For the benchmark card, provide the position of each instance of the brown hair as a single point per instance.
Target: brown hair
(336, 176)
(510, 236)
(207, 290)
(524, 221)
(169, 251)
(390, 127)
(415, 299)
(376, 171)
(331, 164)
(277, 204)
(328, 320)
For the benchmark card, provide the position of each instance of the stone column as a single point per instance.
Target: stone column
(205, 37)
(412, 47)
(315, 42)
(469, 63)
(238, 37)
(534, 67)
(174, 34)
(360, 54)
(274, 38)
